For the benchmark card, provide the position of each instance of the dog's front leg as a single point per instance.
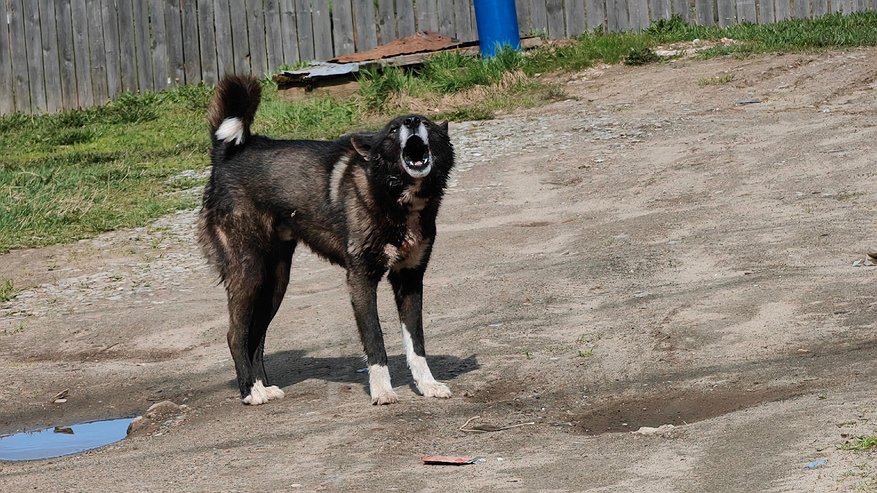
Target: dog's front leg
(363, 296)
(408, 290)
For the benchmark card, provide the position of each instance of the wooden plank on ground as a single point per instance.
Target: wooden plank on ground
(7, 95)
(426, 15)
(273, 35)
(34, 47)
(365, 27)
(143, 46)
(660, 9)
(406, 25)
(222, 33)
(705, 12)
(191, 50)
(681, 8)
(386, 21)
(617, 15)
(51, 64)
(305, 29)
(127, 43)
(782, 10)
(342, 27)
(820, 8)
(111, 47)
(639, 14)
(159, 45)
(323, 49)
(538, 17)
(464, 24)
(239, 41)
(554, 18)
(574, 12)
(596, 12)
(446, 17)
(801, 9)
(746, 11)
(97, 55)
(289, 31)
(207, 41)
(727, 10)
(84, 90)
(256, 37)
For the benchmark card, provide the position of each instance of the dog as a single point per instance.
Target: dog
(366, 202)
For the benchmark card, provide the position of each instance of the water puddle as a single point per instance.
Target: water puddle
(62, 440)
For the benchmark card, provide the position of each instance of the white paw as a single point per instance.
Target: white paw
(433, 388)
(260, 394)
(384, 397)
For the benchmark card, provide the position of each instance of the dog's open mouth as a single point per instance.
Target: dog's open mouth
(416, 158)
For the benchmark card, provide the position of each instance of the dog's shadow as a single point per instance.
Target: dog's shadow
(287, 368)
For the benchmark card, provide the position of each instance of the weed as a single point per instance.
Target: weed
(7, 290)
(716, 81)
(586, 353)
(640, 56)
(15, 330)
(861, 443)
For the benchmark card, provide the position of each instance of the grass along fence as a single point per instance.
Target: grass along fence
(65, 54)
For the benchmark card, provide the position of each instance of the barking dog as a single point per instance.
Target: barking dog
(367, 202)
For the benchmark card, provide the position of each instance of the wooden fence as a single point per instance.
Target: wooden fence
(63, 54)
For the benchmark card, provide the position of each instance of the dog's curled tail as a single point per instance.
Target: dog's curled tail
(232, 109)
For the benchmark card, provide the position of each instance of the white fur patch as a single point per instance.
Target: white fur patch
(379, 385)
(260, 394)
(231, 129)
(335, 178)
(426, 383)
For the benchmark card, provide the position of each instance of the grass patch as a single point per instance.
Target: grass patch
(719, 80)
(861, 443)
(79, 173)
(7, 291)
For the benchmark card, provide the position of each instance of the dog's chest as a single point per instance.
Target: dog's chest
(408, 249)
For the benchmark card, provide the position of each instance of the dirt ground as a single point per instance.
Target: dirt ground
(646, 252)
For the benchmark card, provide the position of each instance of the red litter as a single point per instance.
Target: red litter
(447, 460)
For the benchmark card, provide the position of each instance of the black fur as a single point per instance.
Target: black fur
(350, 200)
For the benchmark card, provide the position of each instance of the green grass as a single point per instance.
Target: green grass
(7, 290)
(719, 80)
(79, 173)
(861, 443)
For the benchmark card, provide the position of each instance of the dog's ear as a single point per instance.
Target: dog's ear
(444, 126)
(362, 144)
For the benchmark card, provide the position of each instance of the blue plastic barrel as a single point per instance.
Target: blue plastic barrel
(497, 25)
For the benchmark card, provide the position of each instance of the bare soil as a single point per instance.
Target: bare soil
(646, 252)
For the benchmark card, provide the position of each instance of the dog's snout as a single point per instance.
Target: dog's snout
(412, 122)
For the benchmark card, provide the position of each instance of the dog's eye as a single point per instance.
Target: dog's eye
(394, 130)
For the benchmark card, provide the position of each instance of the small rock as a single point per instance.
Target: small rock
(663, 430)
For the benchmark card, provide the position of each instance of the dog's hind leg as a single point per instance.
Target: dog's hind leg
(408, 290)
(363, 296)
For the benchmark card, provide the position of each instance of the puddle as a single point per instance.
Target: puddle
(62, 440)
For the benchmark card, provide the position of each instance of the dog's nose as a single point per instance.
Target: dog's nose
(412, 121)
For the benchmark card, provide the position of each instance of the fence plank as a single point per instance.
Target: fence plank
(323, 49)
(79, 20)
(256, 36)
(801, 9)
(782, 10)
(446, 18)
(273, 34)
(596, 10)
(174, 29)
(66, 56)
(366, 34)
(464, 24)
(143, 46)
(554, 18)
(639, 14)
(538, 17)
(21, 80)
(405, 23)
(425, 12)
(207, 42)
(660, 9)
(289, 31)
(766, 12)
(386, 21)
(820, 7)
(111, 47)
(342, 27)
(617, 16)
(225, 63)
(97, 55)
(522, 9)
(681, 8)
(746, 11)
(706, 14)
(191, 48)
(240, 43)
(34, 47)
(7, 96)
(727, 10)
(127, 51)
(51, 65)
(305, 29)
(159, 45)
(574, 11)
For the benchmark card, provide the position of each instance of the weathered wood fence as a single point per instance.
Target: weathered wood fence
(63, 54)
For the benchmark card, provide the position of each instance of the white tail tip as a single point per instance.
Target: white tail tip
(232, 129)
